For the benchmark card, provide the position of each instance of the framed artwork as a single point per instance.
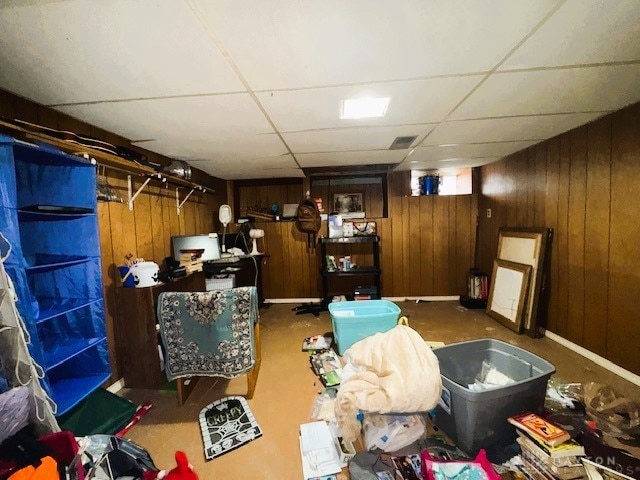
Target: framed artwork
(529, 246)
(347, 202)
(508, 293)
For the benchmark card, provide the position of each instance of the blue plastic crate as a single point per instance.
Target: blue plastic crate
(353, 321)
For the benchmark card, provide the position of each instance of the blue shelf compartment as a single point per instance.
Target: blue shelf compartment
(65, 392)
(53, 180)
(51, 308)
(60, 352)
(43, 154)
(29, 215)
(54, 266)
(79, 375)
(49, 203)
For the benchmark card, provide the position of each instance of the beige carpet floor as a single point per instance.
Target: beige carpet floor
(286, 388)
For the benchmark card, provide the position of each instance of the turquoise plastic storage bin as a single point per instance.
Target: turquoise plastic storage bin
(353, 321)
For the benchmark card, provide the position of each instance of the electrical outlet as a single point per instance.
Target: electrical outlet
(488, 213)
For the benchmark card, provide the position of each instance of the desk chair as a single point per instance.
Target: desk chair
(210, 334)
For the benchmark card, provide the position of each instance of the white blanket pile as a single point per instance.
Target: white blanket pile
(395, 372)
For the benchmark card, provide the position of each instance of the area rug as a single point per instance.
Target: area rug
(227, 424)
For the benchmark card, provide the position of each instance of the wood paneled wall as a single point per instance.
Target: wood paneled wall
(261, 194)
(146, 231)
(372, 196)
(583, 184)
(427, 246)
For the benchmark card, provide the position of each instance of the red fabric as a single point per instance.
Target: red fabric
(61, 445)
(183, 471)
(7, 467)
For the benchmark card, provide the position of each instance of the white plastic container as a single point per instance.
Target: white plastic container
(221, 282)
(145, 274)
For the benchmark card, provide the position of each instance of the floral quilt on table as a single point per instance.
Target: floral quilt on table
(208, 333)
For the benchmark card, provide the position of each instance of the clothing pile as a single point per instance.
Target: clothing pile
(391, 372)
(58, 456)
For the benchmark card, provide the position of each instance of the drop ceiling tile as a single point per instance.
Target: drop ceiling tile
(301, 43)
(335, 159)
(583, 31)
(251, 167)
(251, 162)
(262, 173)
(194, 119)
(436, 153)
(507, 129)
(356, 138)
(412, 102)
(83, 50)
(452, 163)
(553, 91)
(228, 149)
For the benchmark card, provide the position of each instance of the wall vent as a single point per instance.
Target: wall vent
(402, 143)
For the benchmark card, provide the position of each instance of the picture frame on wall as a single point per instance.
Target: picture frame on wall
(508, 293)
(347, 202)
(529, 246)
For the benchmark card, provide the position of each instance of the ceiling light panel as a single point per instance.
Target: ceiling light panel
(355, 138)
(335, 42)
(334, 159)
(192, 118)
(506, 129)
(583, 31)
(80, 51)
(368, 107)
(413, 102)
(553, 91)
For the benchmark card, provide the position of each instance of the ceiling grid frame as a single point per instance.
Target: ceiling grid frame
(483, 117)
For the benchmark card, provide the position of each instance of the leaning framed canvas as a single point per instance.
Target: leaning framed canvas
(508, 293)
(529, 246)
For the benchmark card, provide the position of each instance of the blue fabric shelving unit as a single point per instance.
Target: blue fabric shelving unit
(48, 214)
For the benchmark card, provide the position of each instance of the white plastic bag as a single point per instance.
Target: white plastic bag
(391, 432)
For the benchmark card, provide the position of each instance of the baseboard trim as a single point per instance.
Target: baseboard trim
(434, 298)
(292, 300)
(116, 386)
(441, 298)
(594, 357)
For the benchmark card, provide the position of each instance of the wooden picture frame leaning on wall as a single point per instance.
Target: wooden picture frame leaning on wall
(508, 293)
(529, 246)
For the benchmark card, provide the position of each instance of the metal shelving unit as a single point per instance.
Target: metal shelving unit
(361, 271)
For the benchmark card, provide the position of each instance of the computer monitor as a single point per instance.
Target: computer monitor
(208, 242)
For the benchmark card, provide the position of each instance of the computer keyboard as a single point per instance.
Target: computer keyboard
(225, 260)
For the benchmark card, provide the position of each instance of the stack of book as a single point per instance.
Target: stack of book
(547, 450)
(191, 261)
